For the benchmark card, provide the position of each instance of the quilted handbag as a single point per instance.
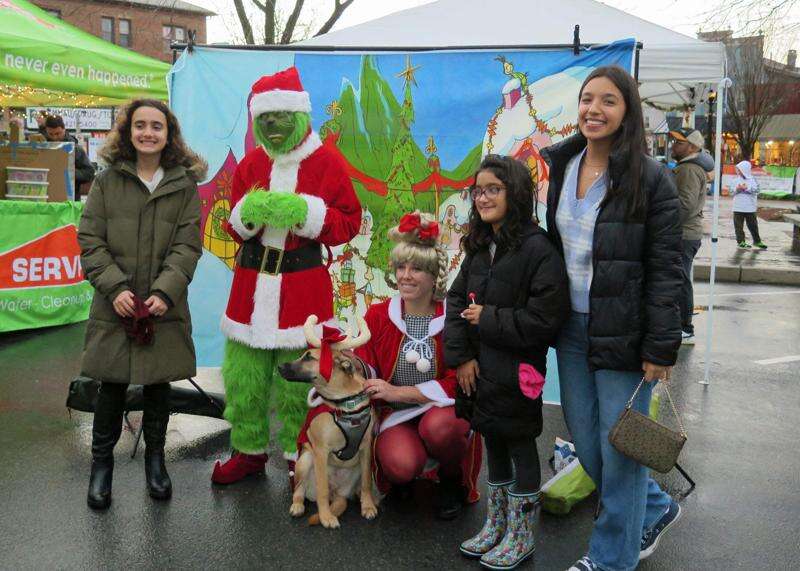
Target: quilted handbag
(645, 440)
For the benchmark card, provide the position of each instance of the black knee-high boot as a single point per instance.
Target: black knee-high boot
(106, 429)
(154, 424)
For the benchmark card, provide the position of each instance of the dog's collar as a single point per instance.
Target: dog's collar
(349, 403)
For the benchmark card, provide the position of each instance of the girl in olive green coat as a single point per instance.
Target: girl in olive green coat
(140, 242)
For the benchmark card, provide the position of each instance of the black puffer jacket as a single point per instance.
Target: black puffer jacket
(636, 284)
(525, 299)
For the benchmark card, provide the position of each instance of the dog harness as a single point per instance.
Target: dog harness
(350, 415)
(353, 424)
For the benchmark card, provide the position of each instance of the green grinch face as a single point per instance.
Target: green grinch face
(276, 126)
(280, 131)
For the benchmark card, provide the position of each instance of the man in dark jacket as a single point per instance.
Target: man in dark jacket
(55, 131)
(690, 178)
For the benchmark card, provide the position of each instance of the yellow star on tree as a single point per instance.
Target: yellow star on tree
(408, 72)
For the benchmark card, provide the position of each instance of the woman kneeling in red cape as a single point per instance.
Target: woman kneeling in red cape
(418, 433)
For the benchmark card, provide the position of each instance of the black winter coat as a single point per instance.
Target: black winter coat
(525, 298)
(636, 284)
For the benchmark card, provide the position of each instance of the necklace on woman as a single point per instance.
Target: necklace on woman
(598, 169)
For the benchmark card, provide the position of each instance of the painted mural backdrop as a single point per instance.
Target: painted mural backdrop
(411, 128)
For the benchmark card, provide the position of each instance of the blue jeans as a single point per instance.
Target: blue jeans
(632, 502)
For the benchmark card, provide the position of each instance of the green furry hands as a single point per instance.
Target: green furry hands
(274, 209)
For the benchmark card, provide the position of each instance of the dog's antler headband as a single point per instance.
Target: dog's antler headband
(332, 338)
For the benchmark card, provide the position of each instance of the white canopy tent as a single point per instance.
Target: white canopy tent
(675, 71)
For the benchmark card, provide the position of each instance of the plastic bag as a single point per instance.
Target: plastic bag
(571, 483)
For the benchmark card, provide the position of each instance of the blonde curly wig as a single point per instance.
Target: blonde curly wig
(425, 253)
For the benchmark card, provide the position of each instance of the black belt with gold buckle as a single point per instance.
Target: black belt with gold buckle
(273, 261)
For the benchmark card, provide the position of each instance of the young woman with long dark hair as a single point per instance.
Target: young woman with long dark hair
(140, 241)
(503, 310)
(613, 213)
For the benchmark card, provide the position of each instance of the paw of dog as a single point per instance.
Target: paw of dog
(329, 521)
(297, 509)
(369, 512)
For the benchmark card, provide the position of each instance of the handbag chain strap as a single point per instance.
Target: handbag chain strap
(671, 402)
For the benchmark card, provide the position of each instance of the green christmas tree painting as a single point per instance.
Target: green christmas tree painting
(390, 172)
(400, 195)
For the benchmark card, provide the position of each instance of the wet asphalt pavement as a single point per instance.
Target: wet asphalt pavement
(742, 451)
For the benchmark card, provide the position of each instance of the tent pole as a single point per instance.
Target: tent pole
(721, 91)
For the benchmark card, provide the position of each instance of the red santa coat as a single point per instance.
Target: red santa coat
(381, 352)
(266, 311)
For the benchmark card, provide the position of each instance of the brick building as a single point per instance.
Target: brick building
(144, 26)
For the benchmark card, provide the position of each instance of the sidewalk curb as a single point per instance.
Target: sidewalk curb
(750, 275)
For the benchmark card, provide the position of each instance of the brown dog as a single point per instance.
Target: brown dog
(336, 460)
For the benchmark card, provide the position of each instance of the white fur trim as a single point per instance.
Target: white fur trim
(236, 222)
(396, 316)
(283, 177)
(279, 100)
(434, 392)
(315, 219)
(431, 390)
(266, 306)
(274, 238)
(403, 415)
(313, 399)
(301, 152)
(289, 338)
(263, 331)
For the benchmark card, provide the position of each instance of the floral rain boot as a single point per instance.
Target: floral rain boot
(495, 526)
(518, 543)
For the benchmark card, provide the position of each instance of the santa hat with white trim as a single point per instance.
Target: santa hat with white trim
(279, 92)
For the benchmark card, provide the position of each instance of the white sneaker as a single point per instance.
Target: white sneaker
(687, 338)
(583, 564)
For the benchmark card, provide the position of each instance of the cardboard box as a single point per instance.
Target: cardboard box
(59, 158)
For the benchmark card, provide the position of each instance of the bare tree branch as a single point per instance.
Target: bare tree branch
(338, 10)
(294, 26)
(773, 18)
(270, 21)
(759, 90)
(244, 20)
(288, 29)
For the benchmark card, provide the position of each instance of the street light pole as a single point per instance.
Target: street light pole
(711, 100)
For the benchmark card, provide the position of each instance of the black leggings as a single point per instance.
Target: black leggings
(514, 460)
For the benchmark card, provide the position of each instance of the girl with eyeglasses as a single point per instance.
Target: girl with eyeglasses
(613, 213)
(503, 311)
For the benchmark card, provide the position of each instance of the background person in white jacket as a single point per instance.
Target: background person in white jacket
(745, 200)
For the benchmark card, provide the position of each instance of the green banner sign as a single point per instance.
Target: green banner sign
(40, 51)
(41, 280)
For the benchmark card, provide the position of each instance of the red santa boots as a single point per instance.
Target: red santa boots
(237, 467)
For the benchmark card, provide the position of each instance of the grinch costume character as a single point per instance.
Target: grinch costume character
(290, 197)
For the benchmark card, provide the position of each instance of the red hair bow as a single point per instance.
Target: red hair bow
(411, 222)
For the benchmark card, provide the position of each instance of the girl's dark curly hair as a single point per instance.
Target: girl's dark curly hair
(520, 197)
(118, 145)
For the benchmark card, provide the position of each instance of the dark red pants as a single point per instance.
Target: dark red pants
(403, 450)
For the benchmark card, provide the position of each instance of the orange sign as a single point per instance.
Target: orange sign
(53, 259)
